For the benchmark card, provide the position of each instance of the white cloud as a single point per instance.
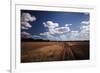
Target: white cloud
(36, 37)
(50, 24)
(74, 35)
(48, 35)
(64, 33)
(68, 25)
(85, 22)
(82, 34)
(26, 35)
(84, 30)
(54, 29)
(22, 27)
(61, 30)
(26, 24)
(45, 33)
(25, 18)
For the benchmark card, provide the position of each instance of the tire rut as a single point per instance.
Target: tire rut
(68, 53)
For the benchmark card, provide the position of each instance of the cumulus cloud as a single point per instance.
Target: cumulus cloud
(45, 33)
(68, 25)
(36, 37)
(50, 24)
(82, 33)
(84, 30)
(74, 35)
(64, 33)
(61, 30)
(54, 29)
(25, 19)
(85, 23)
(48, 36)
(22, 27)
(26, 35)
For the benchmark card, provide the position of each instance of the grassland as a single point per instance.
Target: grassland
(54, 51)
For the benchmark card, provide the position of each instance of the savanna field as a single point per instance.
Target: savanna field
(43, 51)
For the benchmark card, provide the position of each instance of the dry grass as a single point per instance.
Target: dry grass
(54, 51)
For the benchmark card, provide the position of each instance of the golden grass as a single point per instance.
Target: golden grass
(53, 51)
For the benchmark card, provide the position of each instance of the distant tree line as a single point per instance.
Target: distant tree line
(42, 40)
(31, 39)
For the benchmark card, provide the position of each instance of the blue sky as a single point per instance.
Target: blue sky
(54, 25)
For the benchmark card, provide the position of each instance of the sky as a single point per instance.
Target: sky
(54, 25)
